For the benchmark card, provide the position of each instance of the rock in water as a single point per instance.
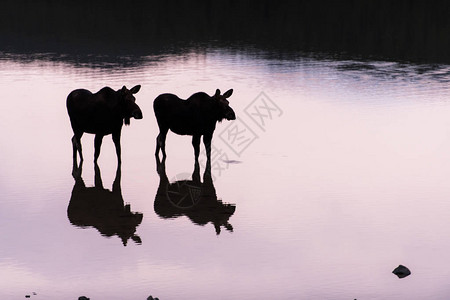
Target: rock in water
(401, 271)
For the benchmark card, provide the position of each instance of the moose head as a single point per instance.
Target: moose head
(130, 108)
(224, 110)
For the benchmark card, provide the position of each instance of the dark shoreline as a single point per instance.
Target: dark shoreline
(401, 30)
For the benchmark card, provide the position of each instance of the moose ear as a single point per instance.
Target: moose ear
(228, 93)
(217, 93)
(135, 89)
(124, 88)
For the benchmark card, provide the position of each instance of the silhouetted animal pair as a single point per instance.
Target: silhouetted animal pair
(104, 113)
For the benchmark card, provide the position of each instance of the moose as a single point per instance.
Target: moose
(197, 116)
(101, 208)
(192, 198)
(101, 114)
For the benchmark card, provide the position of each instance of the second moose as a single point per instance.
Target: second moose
(197, 116)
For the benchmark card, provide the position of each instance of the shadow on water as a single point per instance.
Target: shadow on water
(192, 198)
(101, 208)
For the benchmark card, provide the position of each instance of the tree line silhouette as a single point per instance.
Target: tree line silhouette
(400, 30)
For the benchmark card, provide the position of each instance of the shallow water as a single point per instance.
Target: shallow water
(338, 171)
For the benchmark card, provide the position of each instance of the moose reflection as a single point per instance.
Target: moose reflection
(101, 208)
(192, 198)
(101, 113)
(196, 116)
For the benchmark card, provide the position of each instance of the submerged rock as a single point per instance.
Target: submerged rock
(83, 298)
(401, 271)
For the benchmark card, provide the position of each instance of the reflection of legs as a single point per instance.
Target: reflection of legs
(161, 141)
(196, 173)
(97, 177)
(97, 144)
(116, 184)
(196, 145)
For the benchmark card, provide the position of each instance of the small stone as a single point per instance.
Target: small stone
(401, 271)
(83, 298)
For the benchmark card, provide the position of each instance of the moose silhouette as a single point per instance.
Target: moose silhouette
(101, 208)
(102, 113)
(197, 116)
(192, 198)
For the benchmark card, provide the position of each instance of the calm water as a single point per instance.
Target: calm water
(334, 174)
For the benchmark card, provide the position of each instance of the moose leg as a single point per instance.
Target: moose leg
(76, 170)
(161, 142)
(76, 145)
(196, 145)
(97, 144)
(207, 141)
(158, 145)
(97, 177)
(116, 140)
